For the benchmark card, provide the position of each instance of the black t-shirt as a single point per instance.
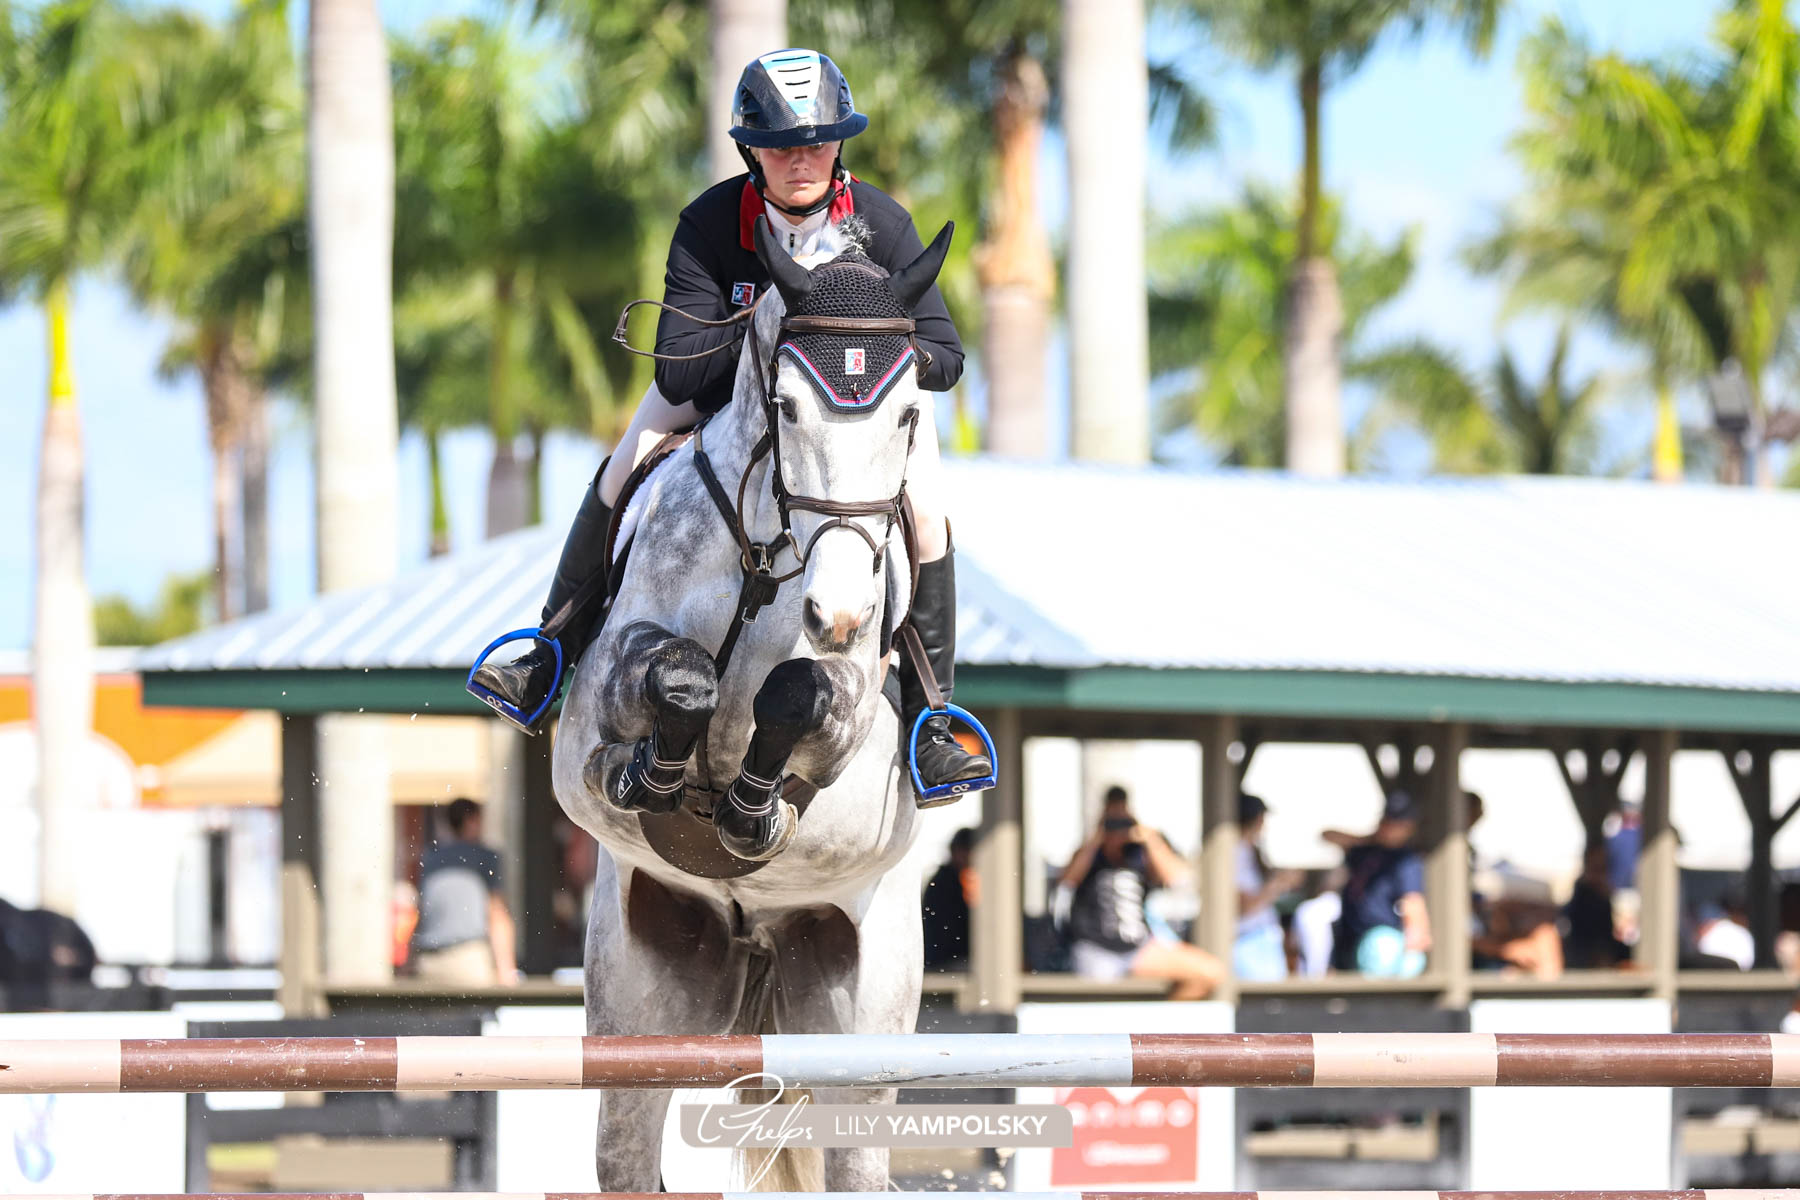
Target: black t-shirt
(946, 914)
(1379, 877)
(713, 271)
(1108, 906)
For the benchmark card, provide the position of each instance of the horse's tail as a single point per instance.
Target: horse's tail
(791, 1168)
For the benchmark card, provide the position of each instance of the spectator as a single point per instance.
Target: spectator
(1510, 930)
(1259, 951)
(1112, 874)
(465, 934)
(1384, 930)
(948, 896)
(1624, 833)
(1314, 919)
(1592, 939)
(39, 950)
(1723, 932)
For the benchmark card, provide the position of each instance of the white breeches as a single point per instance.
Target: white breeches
(656, 417)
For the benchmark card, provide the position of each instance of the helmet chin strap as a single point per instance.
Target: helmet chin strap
(758, 180)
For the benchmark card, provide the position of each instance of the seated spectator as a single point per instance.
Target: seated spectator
(1112, 875)
(945, 908)
(1592, 940)
(1513, 923)
(38, 950)
(1723, 933)
(1314, 919)
(1259, 951)
(1384, 930)
(465, 933)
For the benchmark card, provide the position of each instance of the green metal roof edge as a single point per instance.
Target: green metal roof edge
(1321, 694)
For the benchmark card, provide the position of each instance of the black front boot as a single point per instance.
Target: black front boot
(941, 757)
(527, 681)
(753, 821)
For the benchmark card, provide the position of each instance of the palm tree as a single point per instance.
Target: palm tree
(212, 243)
(1666, 197)
(81, 87)
(351, 220)
(741, 30)
(1503, 423)
(1323, 42)
(503, 197)
(1217, 316)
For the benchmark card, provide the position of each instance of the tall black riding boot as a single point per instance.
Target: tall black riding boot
(941, 757)
(527, 681)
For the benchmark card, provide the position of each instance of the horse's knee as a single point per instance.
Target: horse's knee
(796, 696)
(681, 680)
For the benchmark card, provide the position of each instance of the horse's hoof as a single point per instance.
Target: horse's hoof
(634, 785)
(758, 837)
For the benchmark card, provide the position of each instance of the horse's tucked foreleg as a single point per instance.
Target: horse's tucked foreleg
(682, 689)
(754, 821)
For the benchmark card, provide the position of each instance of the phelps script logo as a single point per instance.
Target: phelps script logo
(785, 1119)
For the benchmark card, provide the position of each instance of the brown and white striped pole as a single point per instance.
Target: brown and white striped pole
(1762, 1194)
(411, 1064)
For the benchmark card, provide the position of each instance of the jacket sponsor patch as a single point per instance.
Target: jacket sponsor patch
(743, 293)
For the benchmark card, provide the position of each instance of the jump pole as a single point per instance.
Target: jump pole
(1696, 1194)
(470, 1063)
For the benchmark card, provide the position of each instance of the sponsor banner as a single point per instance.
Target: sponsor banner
(774, 1124)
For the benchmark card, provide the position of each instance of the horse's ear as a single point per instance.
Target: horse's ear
(910, 283)
(792, 280)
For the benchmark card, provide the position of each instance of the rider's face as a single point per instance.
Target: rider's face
(798, 176)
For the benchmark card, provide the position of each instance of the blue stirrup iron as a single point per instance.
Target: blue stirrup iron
(506, 708)
(957, 787)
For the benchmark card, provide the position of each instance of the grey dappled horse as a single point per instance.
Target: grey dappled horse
(824, 937)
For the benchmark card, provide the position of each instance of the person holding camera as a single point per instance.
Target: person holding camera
(1110, 929)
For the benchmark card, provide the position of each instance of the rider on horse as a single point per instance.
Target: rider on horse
(790, 116)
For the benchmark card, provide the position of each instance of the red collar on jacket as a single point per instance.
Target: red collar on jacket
(750, 207)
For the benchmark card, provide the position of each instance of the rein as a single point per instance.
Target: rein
(757, 559)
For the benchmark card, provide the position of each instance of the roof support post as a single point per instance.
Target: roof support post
(1447, 864)
(1217, 926)
(300, 992)
(537, 920)
(1749, 765)
(997, 922)
(356, 863)
(1658, 875)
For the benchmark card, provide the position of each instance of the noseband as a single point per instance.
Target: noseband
(757, 559)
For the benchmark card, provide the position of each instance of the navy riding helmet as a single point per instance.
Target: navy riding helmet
(793, 98)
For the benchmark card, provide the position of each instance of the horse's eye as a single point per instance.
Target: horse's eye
(788, 411)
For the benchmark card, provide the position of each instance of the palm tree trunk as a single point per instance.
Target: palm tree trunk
(1311, 380)
(440, 511)
(741, 30)
(1106, 106)
(506, 501)
(62, 661)
(351, 223)
(1017, 274)
(222, 380)
(534, 475)
(256, 498)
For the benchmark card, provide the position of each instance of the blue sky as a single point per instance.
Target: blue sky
(1416, 138)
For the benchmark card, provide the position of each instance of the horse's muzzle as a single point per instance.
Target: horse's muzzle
(835, 632)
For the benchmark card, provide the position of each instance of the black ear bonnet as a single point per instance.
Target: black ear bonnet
(852, 372)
